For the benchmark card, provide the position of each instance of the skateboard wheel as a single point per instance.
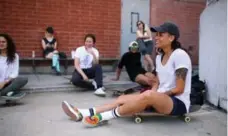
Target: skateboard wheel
(138, 120)
(187, 119)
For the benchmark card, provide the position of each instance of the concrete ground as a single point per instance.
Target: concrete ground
(40, 114)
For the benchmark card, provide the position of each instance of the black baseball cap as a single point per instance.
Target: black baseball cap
(168, 27)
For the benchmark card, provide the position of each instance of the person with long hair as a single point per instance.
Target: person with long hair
(86, 63)
(144, 39)
(49, 45)
(10, 83)
(169, 95)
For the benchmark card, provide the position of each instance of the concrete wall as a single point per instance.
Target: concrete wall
(213, 52)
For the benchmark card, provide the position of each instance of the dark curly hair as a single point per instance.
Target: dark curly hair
(91, 36)
(11, 48)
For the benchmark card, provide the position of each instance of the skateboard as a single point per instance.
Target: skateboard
(128, 90)
(186, 117)
(12, 100)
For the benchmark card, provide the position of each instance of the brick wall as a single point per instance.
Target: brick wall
(26, 20)
(185, 14)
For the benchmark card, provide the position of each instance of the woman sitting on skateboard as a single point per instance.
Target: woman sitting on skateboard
(170, 95)
(86, 62)
(132, 61)
(10, 83)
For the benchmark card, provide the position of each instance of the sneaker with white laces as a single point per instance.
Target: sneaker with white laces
(72, 112)
(100, 92)
(94, 84)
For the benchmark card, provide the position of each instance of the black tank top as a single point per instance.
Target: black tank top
(49, 42)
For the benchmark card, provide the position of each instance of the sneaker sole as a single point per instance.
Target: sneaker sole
(91, 125)
(69, 111)
(101, 95)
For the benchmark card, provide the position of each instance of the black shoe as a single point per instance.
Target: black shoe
(52, 67)
(58, 73)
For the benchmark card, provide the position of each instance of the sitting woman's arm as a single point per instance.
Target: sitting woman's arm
(139, 35)
(43, 44)
(14, 69)
(78, 68)
(181, 74)
(155, 83)
(55, 45)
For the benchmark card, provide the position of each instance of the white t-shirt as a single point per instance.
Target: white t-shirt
(167, 78)
(85, 58)
(8, 71)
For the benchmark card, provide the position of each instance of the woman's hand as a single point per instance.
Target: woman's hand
(2, 84)
(85, 78)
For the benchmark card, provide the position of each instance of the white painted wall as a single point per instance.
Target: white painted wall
(213, 52)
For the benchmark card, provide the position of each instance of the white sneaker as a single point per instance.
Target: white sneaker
(94, 84)
(100, 92)
(9, 94)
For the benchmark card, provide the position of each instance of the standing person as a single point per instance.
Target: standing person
(10, 83)
(86, 63)
(144, 39)
(49, 45)
(132, 62)
(170, 95)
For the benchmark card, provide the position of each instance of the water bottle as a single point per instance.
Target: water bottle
(33, 54)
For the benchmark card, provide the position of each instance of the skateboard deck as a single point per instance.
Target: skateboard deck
(12, 100)
(128, 90)
(185, 117)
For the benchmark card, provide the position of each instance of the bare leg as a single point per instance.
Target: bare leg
(50, 55)
(146, 64)
(161, 102)
(150, 65)
(143, 80)
(119, 101)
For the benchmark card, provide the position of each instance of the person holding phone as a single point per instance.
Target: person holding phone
(10, 83)
(86, 63)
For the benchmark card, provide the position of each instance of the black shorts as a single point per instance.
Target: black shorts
(136, 73)
(179, 107)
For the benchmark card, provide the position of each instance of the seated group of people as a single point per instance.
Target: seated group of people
(170, 80)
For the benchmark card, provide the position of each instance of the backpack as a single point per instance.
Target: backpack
(197, 95)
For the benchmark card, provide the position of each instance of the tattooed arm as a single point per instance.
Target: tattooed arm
(181, 74)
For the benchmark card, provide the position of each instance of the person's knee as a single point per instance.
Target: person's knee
(120, 100)
(148, 96)
(75, 80)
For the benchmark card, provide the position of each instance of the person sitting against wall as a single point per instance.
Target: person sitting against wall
(144, 39)
(132, 62)
(10, 83)
(170, 94)
(86, 63)
(49, 45)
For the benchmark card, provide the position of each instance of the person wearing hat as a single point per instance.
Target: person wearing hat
(132, 62)
(170, 95)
